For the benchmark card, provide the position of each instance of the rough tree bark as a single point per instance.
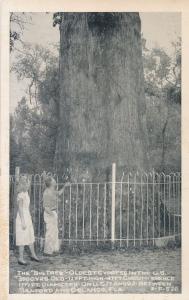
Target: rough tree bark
(102, 103)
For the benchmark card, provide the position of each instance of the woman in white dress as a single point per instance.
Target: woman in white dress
(24, 226)
(50, 200)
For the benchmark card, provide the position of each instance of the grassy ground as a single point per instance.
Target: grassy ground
(158, 265)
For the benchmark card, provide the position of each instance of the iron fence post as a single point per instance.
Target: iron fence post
(113, 204)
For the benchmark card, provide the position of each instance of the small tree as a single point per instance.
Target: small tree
(35, 118)
(163, 94)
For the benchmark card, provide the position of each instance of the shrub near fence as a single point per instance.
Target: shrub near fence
(140, 210)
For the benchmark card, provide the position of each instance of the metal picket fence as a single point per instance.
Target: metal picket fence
(140, 210)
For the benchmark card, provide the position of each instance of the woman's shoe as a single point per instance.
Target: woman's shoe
(34, 259)
(22, 263)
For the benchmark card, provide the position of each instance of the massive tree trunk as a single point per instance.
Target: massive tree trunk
(102, 102)
(102, 120)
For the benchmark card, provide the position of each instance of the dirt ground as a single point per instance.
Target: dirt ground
(145, 271)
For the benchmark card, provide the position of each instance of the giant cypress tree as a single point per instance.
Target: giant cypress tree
(102, 117)
(102, 103)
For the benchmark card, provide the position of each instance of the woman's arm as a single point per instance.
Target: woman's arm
(20, 210)
(60, 192)
(48, 210)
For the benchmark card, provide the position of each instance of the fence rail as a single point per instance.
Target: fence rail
(140, 210)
